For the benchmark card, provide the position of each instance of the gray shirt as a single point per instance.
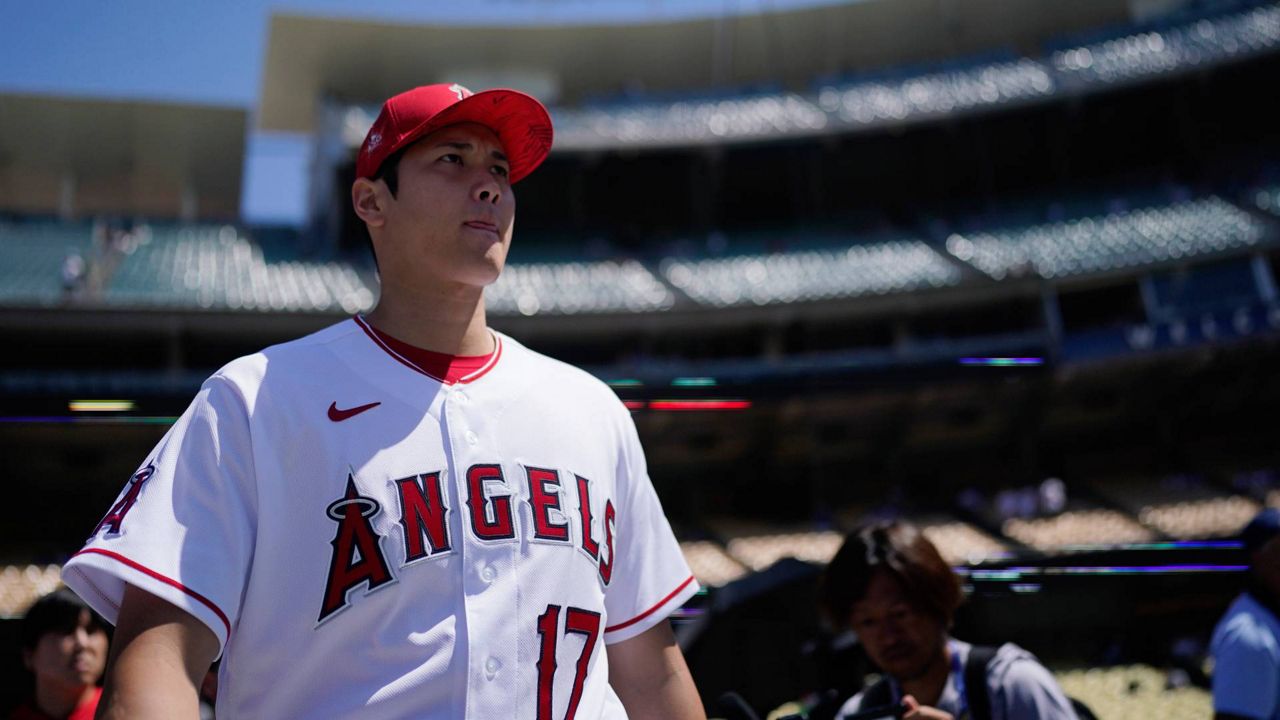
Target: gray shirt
(1020, 688)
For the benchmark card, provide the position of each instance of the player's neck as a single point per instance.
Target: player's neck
(452, 325)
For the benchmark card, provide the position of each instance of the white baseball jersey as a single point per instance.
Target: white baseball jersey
(368, 541)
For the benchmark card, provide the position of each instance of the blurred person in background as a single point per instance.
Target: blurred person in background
(890, 586)
(64, 645)
(1246, 642)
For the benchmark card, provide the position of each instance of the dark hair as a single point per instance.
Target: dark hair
(389, 170)
(902, 551)
(389, 173)
(59, 612)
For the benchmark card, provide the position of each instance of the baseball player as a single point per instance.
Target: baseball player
(406, 514)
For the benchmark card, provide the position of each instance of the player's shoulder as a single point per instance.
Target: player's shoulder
(556, 375)
(249, 371)
(1247, 623)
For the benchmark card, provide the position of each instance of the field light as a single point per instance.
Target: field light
(685, 405)
(100, 405)
(694, 382)
(1002, 361)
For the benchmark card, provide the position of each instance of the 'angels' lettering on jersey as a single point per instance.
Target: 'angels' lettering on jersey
(358, 557)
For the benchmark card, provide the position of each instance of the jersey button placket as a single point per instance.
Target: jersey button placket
(488, 603)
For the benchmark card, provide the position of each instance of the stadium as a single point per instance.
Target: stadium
(1007, 270)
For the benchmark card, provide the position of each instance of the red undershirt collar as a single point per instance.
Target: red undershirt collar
(449, 369)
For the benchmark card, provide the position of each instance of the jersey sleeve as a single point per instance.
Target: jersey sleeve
(183, 527)
(650, 578)
(1246, 670)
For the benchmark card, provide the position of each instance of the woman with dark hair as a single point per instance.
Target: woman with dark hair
(890, 586)
(64, 645)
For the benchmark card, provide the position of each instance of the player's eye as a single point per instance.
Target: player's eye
(451, 158)
(501, 170)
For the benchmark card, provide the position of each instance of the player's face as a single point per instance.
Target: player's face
(453, 213)
(70, 659)
(898, 636)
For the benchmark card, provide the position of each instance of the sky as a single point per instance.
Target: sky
(211, 52)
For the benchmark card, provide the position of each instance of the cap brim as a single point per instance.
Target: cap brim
(521, 123)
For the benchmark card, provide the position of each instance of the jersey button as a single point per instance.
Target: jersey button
(472, 438)
(460, 396)
(488, 574)
(491, 667)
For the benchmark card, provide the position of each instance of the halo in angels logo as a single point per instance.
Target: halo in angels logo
(460, 91)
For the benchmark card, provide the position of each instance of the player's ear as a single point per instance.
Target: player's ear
(369, 198)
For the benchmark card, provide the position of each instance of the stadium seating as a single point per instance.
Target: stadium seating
(939, 93)
(1118, 55)
(710, 563)
(1171, 49)
(661, 123)
(1111, 242)
(1181, 507)
(758, 552)
(22, 585)
(217, 267)
(1135, 691)
(575, 287)
(1268, 199)
(1084, 526)
(31, 258)
(860, 269)
(960, 542)
(755, 547)
(1197, 519)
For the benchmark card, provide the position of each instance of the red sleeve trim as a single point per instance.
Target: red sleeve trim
(652, 610)
(166, 580)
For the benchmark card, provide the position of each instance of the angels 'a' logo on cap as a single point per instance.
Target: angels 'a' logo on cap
(462, 92)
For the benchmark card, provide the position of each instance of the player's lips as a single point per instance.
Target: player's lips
(482, 225)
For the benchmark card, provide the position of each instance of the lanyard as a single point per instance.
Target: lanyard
(957, 672)
(957, 676)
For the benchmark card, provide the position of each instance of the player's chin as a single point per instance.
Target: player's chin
(486, 271)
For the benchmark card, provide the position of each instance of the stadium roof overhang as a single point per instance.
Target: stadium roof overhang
(361, 62)
(76, 156)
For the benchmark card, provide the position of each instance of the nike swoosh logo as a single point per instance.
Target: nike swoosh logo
(337, 415)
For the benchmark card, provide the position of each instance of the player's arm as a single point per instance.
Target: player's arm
(651, 679)
(159, 656)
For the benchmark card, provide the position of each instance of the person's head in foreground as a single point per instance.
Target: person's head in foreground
(64, 645)
(433, 182)
(1261, 540)
(890, 586)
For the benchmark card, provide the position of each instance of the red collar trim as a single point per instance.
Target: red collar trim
(472, 377)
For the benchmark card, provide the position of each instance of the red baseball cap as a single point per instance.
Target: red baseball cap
(520, 122)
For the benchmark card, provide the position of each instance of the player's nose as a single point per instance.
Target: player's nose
(487, 189)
